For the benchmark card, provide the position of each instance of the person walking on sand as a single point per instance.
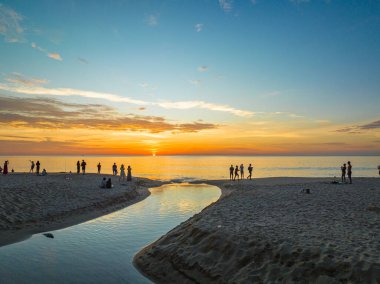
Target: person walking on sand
(5, 170)
(114, 169)
(122, 173)
(241, 171)
(349, 171)
(236, 172)
(343, 169)
(231, 172)
(78, 167)
(38, 164)
(129, 174)
(99, 167)
(250, 168)
(83, 165)
(31, 167)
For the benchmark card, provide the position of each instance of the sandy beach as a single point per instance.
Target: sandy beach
(31, 204)
(272, 231)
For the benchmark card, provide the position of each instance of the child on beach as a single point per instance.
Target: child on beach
(114, 169)
(343, 169)
(78, 167)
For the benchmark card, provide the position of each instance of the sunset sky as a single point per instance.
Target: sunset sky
(190, 77)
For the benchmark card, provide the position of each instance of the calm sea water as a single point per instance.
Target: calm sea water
(206, 167)
(102, 250)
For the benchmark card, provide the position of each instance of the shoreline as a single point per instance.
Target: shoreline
(31, 204)
(270, 230)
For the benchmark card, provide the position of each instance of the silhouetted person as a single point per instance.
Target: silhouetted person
(378, 167)
(129, 174)
(250, 168)
(83, 165)
(343, 169)
(109, 183)
(31, 167)
(122, 173)
(241, 171)
(114, 169)
(1, 170)
(236, 172)
(78, 167)
(99, 167)
(349, 171)
(43, 173)
(103, 183)
(38, 168)
(5, 170)
(231, 172)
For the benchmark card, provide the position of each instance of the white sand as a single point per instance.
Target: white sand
(268, 231)
(30, 204)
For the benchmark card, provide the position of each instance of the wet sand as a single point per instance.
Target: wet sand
(272, 231)
(31, 204)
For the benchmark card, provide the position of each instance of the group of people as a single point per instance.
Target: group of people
(37, 165)
(234, 172)
(123, 176)
(347, 169)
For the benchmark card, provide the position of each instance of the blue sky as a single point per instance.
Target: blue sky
(280, 61)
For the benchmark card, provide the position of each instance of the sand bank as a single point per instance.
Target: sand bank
(30, 204)
(271, 231)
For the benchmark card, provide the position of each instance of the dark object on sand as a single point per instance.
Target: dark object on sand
(49, 235)
(306, 190)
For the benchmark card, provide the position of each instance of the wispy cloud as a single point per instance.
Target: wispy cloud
(356, 129)
(226, 5)
(195, 82)
(40, 90)
(10, 24)
(151, 20)
(198, 27)
(20, 79)
(202, 68)
(55, 56)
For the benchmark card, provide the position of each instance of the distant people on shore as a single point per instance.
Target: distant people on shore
(231, 172)
(109, 183)
(32, 167)
(83, 165)
(114, 169)
(343, 169)
(241, 171)
(38, 164)
(236, 172)
(129, 173)
(250, 168)
(99, 166)
(78, 167)
(5, 170)
(122, 173)
(349, 171)
(103, 183)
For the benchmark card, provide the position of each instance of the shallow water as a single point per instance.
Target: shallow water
(206, 167)
(102, 249)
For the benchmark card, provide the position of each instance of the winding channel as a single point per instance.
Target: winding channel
(102, 250)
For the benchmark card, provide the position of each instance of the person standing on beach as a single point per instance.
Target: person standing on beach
(241, 171)
(129, 175)
(99, 167)
(122, 173)
(349, 171)
(231, 172)
(250, 168)
(83, 165)
(236, 172)
(31, 167)
(114, 169)
(378, 167)
(78, 167)
(38, 168)
(5, 170)
(343, 169)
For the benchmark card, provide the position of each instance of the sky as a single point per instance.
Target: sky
(217, 77)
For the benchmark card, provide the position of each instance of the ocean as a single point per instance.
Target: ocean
(186, 168)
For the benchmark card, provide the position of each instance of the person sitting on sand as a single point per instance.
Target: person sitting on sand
(114, 169)
(343, 169)
(31, 167)
(250, 168)
(83, 165)
(99, 167)
(231, 172)
(38, 164)
(78, 167)
(122, 173)
(129, 175)
(109, 183)
(43, 173)
(349, 171)
(236, 172)
(103, 184)
(241, 171)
